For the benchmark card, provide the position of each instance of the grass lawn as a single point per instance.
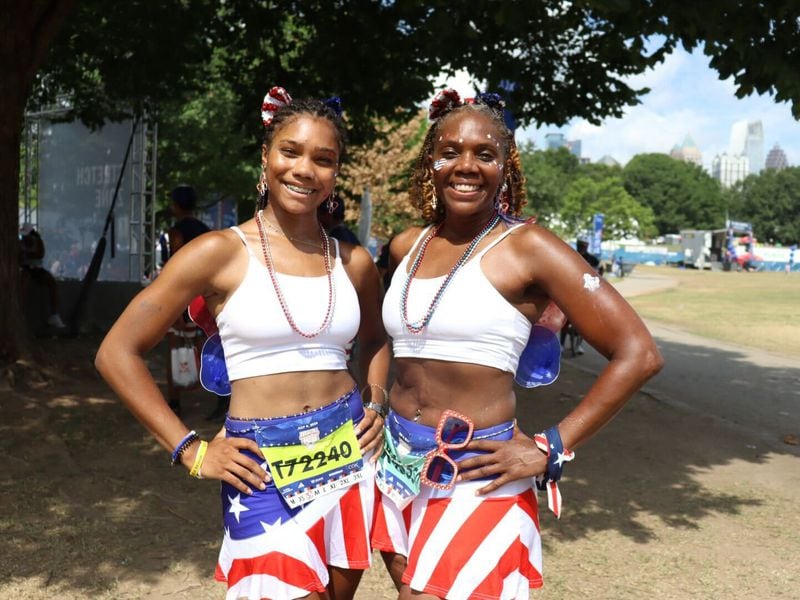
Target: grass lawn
(761, 310)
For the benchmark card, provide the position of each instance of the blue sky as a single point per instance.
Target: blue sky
(686, 96)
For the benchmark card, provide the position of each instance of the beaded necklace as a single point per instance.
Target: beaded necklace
(418, 326)
(265, 247)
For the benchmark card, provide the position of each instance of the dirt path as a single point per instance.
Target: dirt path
(663, 503)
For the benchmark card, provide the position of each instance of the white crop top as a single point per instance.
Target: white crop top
(256, 336)
(472, 323)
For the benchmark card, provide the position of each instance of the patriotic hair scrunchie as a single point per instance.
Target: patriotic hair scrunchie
(491, 99)
(335, 104)
(275, 98)
(443, 102)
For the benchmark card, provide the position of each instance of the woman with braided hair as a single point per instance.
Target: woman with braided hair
(296, 454)
(457, 515)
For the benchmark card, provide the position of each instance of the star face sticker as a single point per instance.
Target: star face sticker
(237, 508)
(591, 282)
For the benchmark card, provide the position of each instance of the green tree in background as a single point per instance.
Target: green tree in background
(771, 202)
(566, 59)
(547, 175)
(201, 142)
(681, 195)
(624, 217)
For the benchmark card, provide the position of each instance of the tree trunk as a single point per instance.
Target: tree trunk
(26, 31)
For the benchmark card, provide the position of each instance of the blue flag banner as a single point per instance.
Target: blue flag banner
(597, 235)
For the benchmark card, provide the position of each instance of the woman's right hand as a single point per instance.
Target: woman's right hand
(225, 461)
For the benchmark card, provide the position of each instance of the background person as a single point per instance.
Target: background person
(31, 255)
(187, 226)
(286, 299)
(464, 294)
(183, 202)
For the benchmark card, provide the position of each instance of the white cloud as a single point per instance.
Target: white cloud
(686, 96)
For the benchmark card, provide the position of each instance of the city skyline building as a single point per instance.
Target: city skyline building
(608, 161)
(554, 141)
(747, 139)
(687, 152)
(728, 169)
(776, 159)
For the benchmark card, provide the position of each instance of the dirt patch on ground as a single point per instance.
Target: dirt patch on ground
(660, 504)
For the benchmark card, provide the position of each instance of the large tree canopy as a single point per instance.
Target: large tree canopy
(771, 202)
(681, 195)
(561, 59)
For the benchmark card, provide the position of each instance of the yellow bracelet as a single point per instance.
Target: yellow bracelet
(198, 460)
(381, 388)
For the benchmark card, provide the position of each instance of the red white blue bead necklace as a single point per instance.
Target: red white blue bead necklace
(418, 326)
(265, 247)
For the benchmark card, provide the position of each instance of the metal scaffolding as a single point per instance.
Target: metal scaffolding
(144, 154)
(142, 168)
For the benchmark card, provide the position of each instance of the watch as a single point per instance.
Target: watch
(378, 408)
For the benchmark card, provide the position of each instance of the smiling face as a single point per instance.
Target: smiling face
(467, 162)
(301, 163)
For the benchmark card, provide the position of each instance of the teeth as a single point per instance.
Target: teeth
(299, 190)
(464, 187)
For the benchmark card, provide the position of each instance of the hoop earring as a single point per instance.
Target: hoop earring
(263, 189)
(331, 204)
(501, 200)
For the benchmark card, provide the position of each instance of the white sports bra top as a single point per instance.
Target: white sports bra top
(256, 336)
(473, 323)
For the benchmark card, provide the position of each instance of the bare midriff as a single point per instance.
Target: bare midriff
(423, 388)
(286, 394)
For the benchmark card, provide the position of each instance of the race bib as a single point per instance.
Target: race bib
(316, 466)
(398, 471)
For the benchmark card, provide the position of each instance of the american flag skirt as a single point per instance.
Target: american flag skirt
(459, 545)
(270, 550)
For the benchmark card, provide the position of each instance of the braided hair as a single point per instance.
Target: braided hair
(284, 114)
(446, 105)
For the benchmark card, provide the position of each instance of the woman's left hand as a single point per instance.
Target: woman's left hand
(370, 433)
(517, 458)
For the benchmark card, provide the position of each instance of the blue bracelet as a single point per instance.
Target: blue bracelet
(187, 441)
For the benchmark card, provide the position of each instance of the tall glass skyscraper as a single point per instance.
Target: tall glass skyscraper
(747, 139)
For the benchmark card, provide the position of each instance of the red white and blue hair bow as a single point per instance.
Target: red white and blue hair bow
(275, 98)
(448, 99)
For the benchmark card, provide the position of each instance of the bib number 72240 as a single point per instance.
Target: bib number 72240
(307, 463)
(303, 472)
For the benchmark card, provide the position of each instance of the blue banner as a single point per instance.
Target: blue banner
(597, 234)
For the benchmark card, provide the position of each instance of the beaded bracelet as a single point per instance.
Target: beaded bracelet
(381, 388)
(550, 443)
(198, 460)
(187, 441)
